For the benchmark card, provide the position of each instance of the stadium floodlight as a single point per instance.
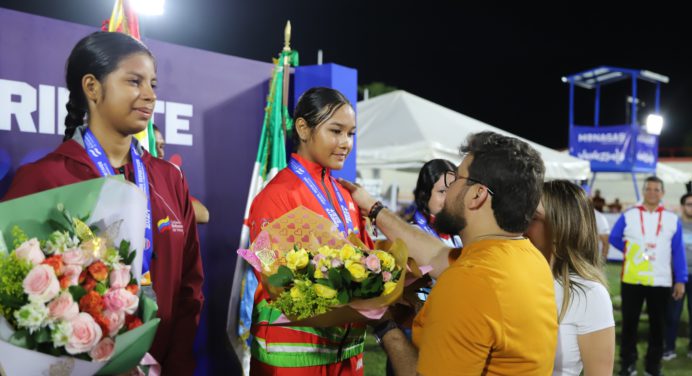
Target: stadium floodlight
(654, 124)
(148, 7)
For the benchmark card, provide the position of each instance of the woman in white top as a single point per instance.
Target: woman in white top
(564, 230)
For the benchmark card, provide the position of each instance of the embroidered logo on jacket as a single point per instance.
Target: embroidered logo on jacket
(164, 225)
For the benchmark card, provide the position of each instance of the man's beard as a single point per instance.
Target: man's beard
(448, 223)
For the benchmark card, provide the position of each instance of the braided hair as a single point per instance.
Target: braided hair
(99, 54)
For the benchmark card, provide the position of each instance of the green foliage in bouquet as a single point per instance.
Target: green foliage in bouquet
(302, 301)
(316, 281)
(12, 274)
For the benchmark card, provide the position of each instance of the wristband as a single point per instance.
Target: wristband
(374, 211)
(383, 328)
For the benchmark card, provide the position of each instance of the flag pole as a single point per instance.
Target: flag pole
(286, 74)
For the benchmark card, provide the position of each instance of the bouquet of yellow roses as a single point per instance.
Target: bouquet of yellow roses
(316, 277)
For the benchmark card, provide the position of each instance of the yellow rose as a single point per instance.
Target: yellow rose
(358, 271)
(296, 294)
(389, 287)
(388, 262)
(324, 262)
(297, 260)
(327, 252)
(324, 291)
(347, 252)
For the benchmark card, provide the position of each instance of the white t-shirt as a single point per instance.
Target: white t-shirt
(590, 310)
(602, 227)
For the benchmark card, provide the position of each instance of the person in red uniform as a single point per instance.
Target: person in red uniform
(111, 78)
(325, 126)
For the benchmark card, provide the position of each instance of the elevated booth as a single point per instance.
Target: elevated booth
(631, 147)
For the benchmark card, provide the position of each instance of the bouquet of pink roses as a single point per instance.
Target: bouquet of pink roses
(70, 292)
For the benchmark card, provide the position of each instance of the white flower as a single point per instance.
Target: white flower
(31, 316)
(62, 331)
(59, 242)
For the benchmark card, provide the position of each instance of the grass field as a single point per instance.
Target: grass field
(375, 358)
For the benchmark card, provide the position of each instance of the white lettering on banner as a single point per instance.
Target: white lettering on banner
(603, 138)
(20, 108)
(646, 157)
(617, 156)
(175, 124)
(19, 100)
(646, 139)
(46, 109)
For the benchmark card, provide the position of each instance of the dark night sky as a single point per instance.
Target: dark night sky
(498, 63)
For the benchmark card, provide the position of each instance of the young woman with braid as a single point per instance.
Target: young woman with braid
(111, 78)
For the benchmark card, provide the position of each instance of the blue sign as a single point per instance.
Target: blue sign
(614, 148)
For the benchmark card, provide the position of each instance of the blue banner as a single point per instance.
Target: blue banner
(614, 148)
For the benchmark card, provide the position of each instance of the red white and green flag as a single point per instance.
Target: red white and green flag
(271, 158)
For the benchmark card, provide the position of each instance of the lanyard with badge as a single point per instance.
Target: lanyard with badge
(302, 174)
(650, 248)
(100, 160)
(421, 222)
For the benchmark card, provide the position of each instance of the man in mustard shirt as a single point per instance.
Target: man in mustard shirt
(492, 310)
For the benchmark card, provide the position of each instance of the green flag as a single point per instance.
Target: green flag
(271, 158)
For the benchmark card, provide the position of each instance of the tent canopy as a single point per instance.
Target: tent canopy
(402, 131)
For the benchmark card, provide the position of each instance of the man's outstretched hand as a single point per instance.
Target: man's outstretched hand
(361, 197)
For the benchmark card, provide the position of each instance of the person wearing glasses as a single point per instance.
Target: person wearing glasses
(675, 306)
(492, 310)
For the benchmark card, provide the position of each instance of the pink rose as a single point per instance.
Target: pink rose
(116, 320)
(41, 284)
(336, 263)
(373, 263)
(103, 350)
(316, 259)
(30, 250)
(121, 300)
(120, 277)
(86, 333)
(386, 276)
(70, 273)
(76, 256)
(63, 307)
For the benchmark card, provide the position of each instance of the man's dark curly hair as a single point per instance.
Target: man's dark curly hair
(513, 170)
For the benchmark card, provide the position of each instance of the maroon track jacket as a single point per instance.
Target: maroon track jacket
(176, 266)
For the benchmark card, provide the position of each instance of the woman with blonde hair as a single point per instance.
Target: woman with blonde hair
(564, 230)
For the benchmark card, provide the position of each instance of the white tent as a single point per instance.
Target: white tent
(401, 131)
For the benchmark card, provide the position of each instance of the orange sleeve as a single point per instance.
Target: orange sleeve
(459, 326)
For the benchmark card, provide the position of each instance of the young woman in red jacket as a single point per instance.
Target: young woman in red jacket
(111, 78)
(325, 125)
